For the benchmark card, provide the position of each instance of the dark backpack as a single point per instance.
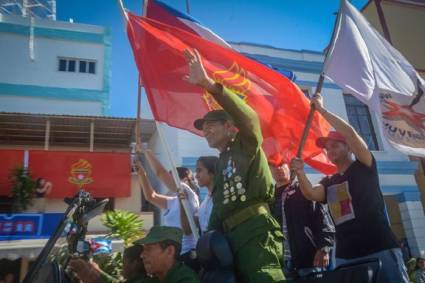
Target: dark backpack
(216, 258)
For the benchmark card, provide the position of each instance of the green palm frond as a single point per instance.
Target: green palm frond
(124, 225)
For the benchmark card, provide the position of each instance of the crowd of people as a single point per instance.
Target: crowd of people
(278, 230)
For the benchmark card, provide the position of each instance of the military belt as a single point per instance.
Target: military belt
(245, 214)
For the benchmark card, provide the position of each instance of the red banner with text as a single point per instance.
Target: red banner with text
(102, 174)
(10, 159)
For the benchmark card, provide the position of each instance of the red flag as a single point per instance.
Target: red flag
(281, 106)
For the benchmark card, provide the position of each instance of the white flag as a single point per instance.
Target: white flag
(364, 64)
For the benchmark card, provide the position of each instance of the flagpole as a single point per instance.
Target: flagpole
(122, 10)
(318, 90)
(187, 7)
(139, 92)
(382, 21)
(175, 175)
(180, 190)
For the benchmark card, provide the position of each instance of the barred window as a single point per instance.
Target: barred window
(73, 65)
(359, 117)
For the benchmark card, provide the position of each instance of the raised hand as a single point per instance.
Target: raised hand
(297, 165)
(197, 74)
(317, 101)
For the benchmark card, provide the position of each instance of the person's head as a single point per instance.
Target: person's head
(161, 248)
(281, 173)
(336, 147)
(40, 182)
(420, 263)
(205, 170)
(185, 174)
(132, 263)
(217, 127)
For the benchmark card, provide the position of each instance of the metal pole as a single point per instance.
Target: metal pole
(138, 130)
(187, 7)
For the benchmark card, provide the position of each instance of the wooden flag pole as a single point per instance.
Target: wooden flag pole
(308, 123)
(318, 90)
(309, 118)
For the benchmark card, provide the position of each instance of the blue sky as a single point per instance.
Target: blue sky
(296, 24)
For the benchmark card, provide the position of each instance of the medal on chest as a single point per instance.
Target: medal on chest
(233, 188)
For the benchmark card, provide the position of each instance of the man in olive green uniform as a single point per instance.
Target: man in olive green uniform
(243, 183)
(161, 248)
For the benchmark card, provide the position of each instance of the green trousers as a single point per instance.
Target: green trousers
(260, 259)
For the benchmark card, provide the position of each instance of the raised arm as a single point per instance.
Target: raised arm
(316, 192)
(160, 172)
(246, 120)
(353, 139)
(151, 196)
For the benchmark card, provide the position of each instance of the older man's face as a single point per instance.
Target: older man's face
(217, 133)
(155, 258)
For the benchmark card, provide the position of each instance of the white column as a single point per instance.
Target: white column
(413, 219)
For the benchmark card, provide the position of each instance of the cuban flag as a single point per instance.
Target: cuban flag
(161, 12)
(100, 246)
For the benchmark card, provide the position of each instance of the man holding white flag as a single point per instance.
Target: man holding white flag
(365, 65)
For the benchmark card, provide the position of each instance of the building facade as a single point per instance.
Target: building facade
(53, 67)
(54, 94)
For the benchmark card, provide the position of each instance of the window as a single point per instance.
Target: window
(92, 67)
(359, 117)
(73, 65)
(62, 65)
(83, 65)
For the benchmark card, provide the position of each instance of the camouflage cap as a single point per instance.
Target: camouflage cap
(161, 233)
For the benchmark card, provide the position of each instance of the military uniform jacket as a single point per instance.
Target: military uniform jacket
(106, 278)
(243, 177)
(179, 273)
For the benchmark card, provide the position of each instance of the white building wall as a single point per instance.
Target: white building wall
(18, 68)
(35, 85)
(9, 103)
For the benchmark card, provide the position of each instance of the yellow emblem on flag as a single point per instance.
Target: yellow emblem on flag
(234, 78)
(81, 173)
